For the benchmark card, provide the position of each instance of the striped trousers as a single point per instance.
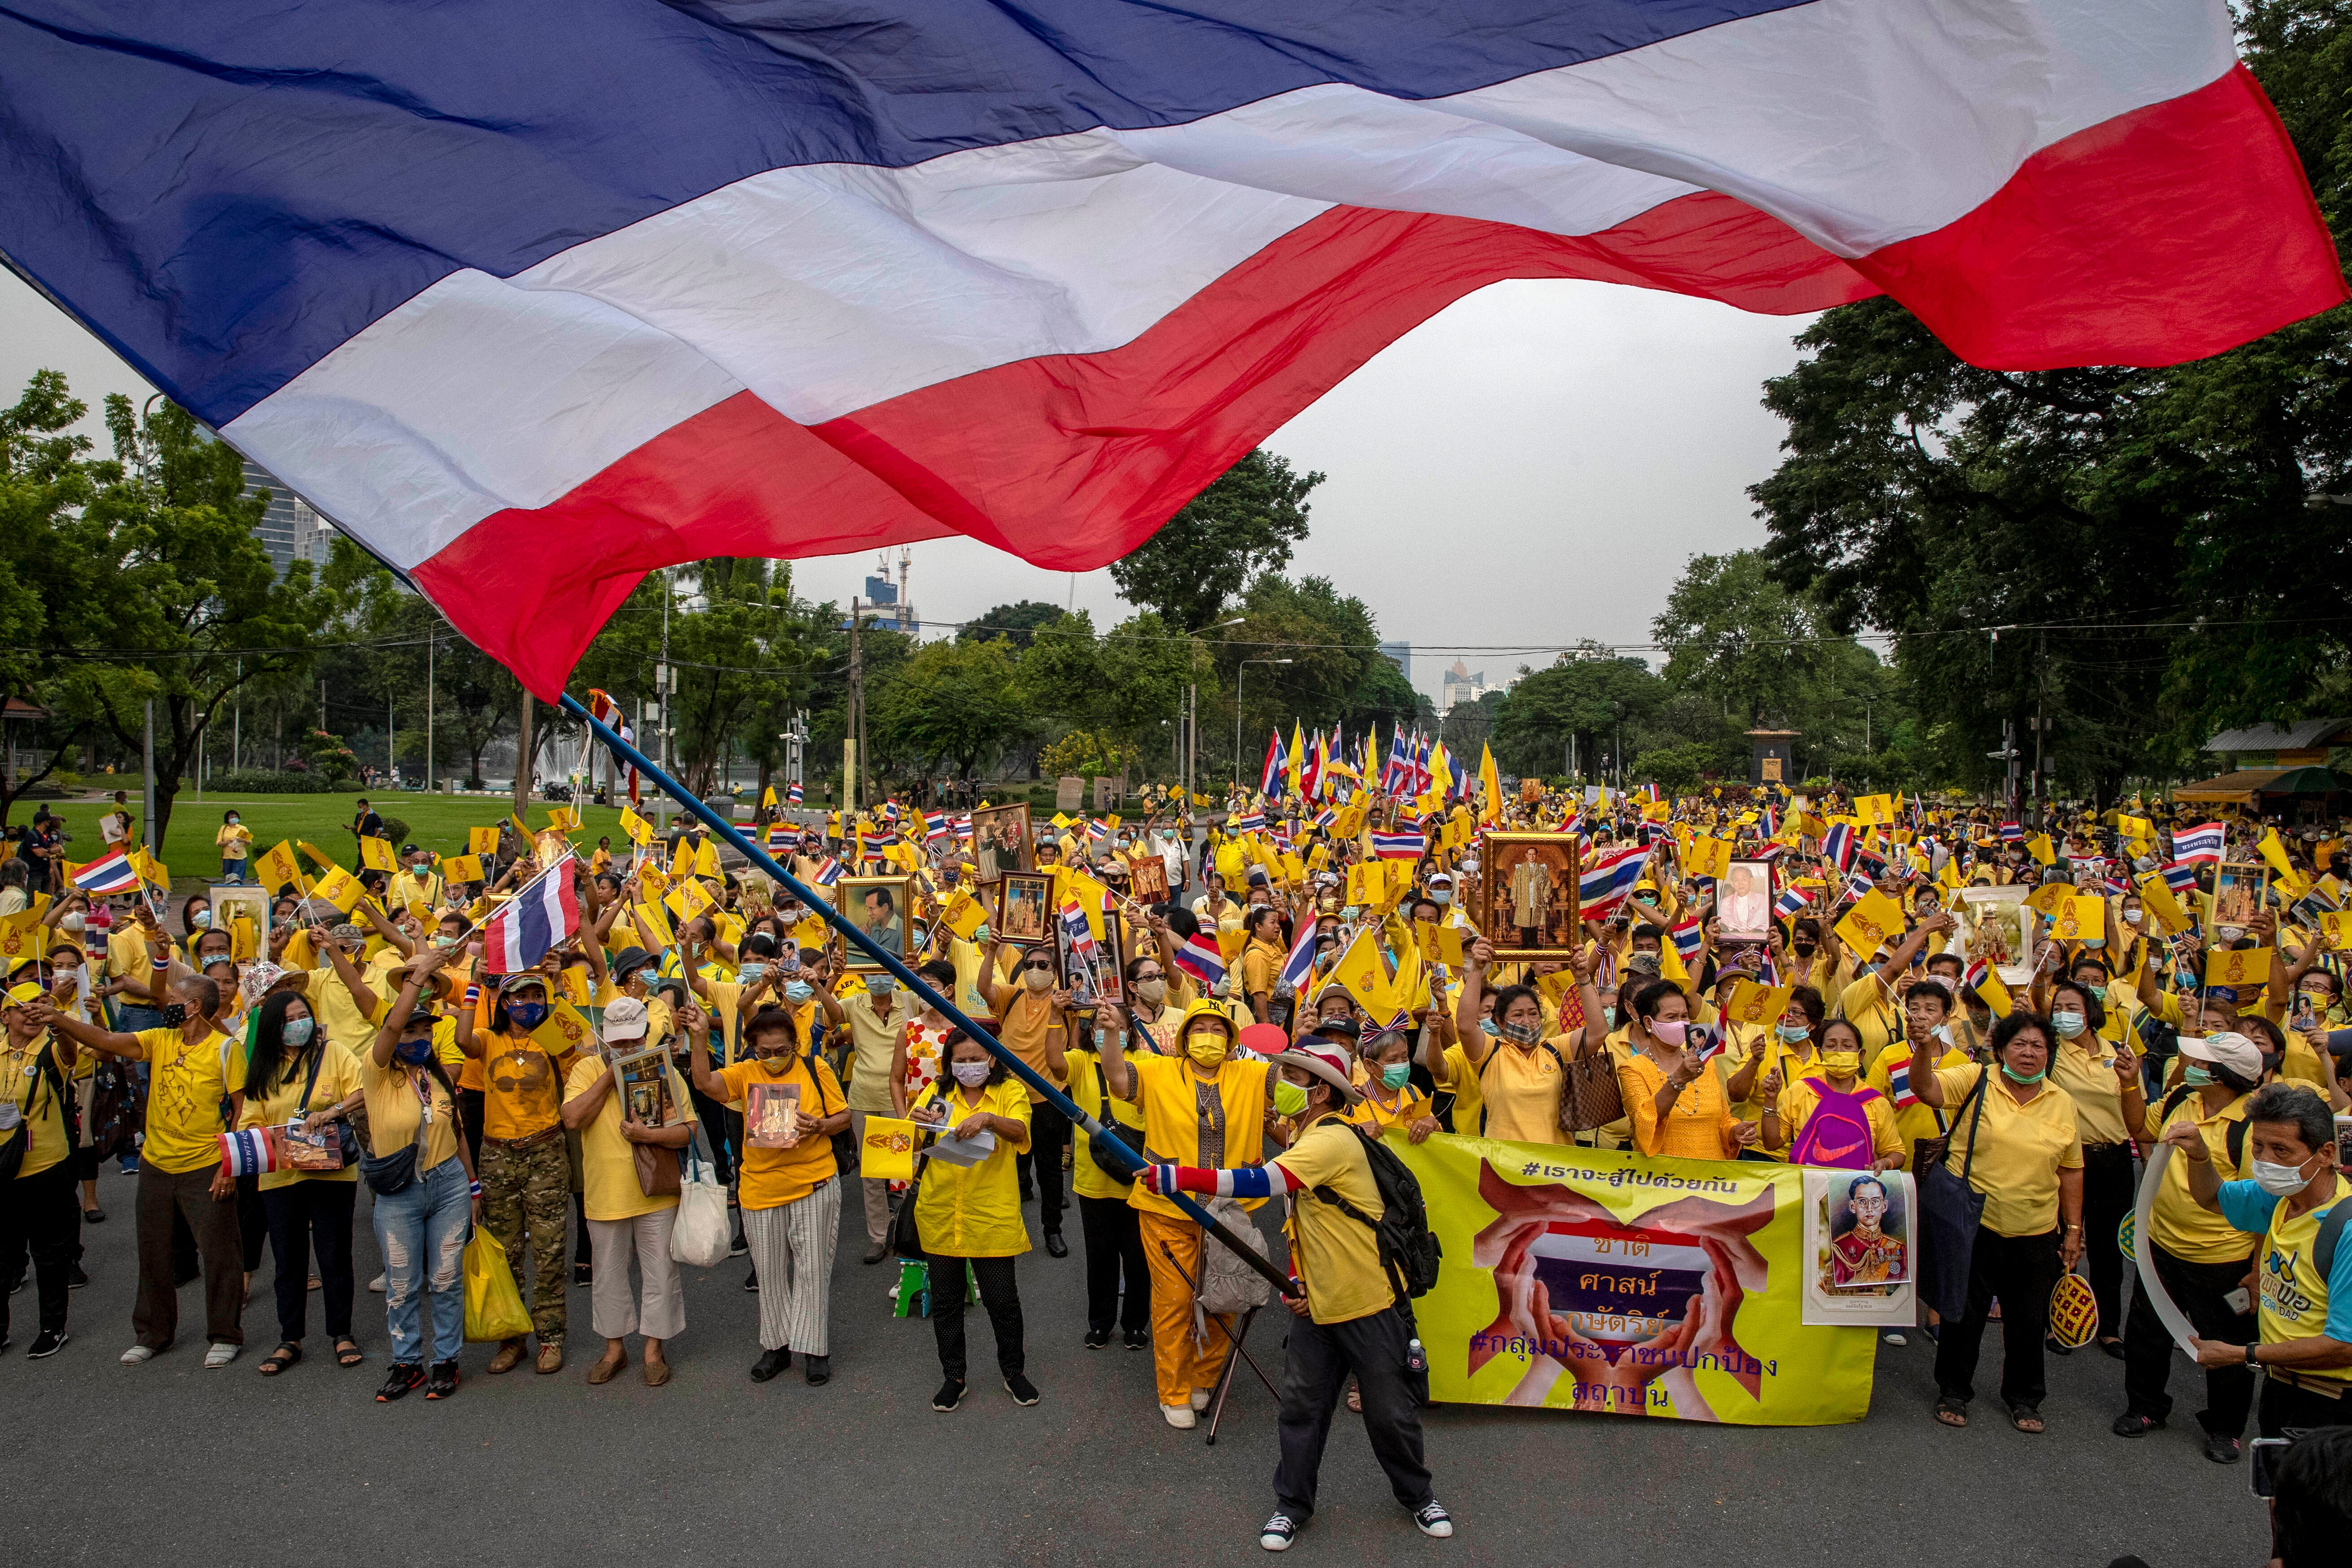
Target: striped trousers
(791, 1247)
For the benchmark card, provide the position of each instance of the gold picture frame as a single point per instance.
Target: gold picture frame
(1001, 842)
(881, 907)
(1509, 889)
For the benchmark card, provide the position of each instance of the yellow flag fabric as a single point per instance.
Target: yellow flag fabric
(1875, 810)
(652, 922)
(279, 868)
(1491, 782)
(1708, 856)
(639, 830)
(1752, 1003)
(965, 914)
(377, 855)
(2081, 918)
(2040, 847)
(689, 899)
(1874, 921)
(1993, 993)
(1361, 969)
(706, 859)
(2158, 897)
(462, 869)
(888, 1151)
(318, 856)
(338, 887)
(1439, 943)
(482, 840)
(2238, 968)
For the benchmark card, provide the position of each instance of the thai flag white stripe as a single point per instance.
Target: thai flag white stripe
(1604, 885)
(109, 873)
(2200, 844)
(1200, 959)
(543, 914)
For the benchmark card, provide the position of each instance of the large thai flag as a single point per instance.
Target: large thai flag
(534, 296)
(545, 912)
(1398, 771)
(1604, 884)
(2192, 845)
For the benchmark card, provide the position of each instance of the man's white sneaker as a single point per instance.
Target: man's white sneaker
(1179, 1417)
(136, 1354)
(1434, 1520)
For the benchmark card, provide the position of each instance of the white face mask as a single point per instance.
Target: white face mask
(2279, 1181)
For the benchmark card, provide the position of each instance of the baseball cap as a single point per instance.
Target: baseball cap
(2228, 1049)
(1326, 1063)
(625, 1020)
(20, 995)
(514, 982)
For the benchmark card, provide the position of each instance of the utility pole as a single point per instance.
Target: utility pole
(322, 706)
(236, 723)
(391, 751)
(523, 758)
(854, 758)
(147, 755)
(430, 639)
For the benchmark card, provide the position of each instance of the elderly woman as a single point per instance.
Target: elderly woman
(2015, 1139)
(1518, 1074)
(1678, 1106)
(2100, 1076)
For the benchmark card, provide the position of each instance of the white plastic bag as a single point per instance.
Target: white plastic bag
(699, 1236)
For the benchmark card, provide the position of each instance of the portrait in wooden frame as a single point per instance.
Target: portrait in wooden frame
(1527, 903)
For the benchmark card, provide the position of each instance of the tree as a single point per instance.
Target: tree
(1734, 634)
(1589, 694)
(951, 706)
(44, 584)
(196, 611)
(1013, 623)
(1242, 526)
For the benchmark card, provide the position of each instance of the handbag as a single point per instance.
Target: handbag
(387, 1174)
(345, 1150)
(1950, 1212)
(1589, 1096)
(845, 1143)
(1130, 1136)
(698, 1234)
(658, 1174)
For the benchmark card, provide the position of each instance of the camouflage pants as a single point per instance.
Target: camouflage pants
(529, 1191)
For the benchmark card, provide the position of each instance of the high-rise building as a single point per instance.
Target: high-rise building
(1461, 685)
(290, 530)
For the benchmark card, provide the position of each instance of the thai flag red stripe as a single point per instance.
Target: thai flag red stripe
(545, 913)
(1200, 959)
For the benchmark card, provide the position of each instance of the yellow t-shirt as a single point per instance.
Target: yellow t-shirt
(521, 1087)
(2020, 1150)
(1918, 1120)
(1088, 1089)
(1869, 1006)
(186, 1084)
(1375, 1118)
(874, 1040)
(608, 1163)
(338, 1011)
(1024, 1023)
(1699, 1126)
(974, 1211)
(1333, 1253)
(22, 1081)
(398, 1101)
(2295, 1300)
(275, 1105)
(1460, 1079)
(2089, 1081)
(775, 1177)
(1519, 1092)
(2179, 1223)
(1261, 966)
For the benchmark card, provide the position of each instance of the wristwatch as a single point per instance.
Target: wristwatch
(2252, 1359)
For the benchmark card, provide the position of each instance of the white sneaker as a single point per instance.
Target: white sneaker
(1179, 1417)
(1201, 1398)
(220, 1356)
(136, 1354)
(376, 1284)
(1434, 1520)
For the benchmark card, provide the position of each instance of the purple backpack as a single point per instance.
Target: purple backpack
(1838, 1132)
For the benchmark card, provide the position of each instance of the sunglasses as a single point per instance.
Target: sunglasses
(1038, 963)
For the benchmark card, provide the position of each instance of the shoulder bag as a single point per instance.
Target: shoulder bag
(1590, 1098)
(1130, 1136)
(1951, 1210)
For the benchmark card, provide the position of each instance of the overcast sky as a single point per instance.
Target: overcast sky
(1530, 467)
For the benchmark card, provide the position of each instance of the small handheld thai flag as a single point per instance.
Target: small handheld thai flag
(1397, 771)
(792, 792)
(1838, 848)
(883, 840)
(1768, 973)
(1200, 959)
(1301, 962)
(1857, 885)
(1898, 1085)
(2011, 833)
(2118, 885)
(829, 872)
(2200, 844)
(1098, 828)
(1325, 817)
(1771, 823)
(546, 913)
(2179, 877)
(1075, 933)
(1252, 823)
(248, 1152)
(1789, 904)
(109, 873)
(1607, 882)
(779, 836)
(1689, 937)
(1397, 845)
(935, 826)
(1703, 1042)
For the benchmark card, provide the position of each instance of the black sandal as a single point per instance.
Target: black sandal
(286, 1353)
(1952, 1412)
(2020, 1415)
(348, 1351)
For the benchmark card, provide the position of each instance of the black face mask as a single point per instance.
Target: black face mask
(175, 1015)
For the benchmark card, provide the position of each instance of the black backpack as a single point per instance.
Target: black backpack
(1408, 1250)
(2236, 1137)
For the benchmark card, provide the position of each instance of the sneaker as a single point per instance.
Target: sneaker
(1278, 1533)
(1201, 1398)
(137, 1353)
(751, 1282)
(1138, 1339)
(1434, 1520)
(770, 1364)
(443, 1383)
(950, 1395)
(2132, 1423)
(376, 1284)
(76, 1279)
(1097, 1338)
(399, 1378)
(582, 1274)
(50, 1342)
(736, 1246)
(2219, 1447)
(1893, 1337)
(1024, 1392)
(220, 1355)
(1179, 1417)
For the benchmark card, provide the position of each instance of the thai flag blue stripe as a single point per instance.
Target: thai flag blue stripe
(376, 147)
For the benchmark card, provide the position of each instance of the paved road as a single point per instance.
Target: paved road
(116, 1464)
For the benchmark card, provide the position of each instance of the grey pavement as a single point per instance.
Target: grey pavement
(168, 1461)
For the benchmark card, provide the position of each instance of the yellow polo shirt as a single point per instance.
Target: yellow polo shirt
(185, 1087)
(1336, 1255)
(2020, 1148)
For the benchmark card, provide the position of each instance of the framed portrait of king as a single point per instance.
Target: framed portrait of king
(1526, 895)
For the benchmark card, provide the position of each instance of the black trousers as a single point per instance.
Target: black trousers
(999, 1296)
(1316, 1369)
(2108, 1191)
(40, 1214)
(716, 1132)
(252, 1222)
(2020, 1270)
(1049, 1130)
(2285, 1406)
(311, 1221)
(1114, 1246)
(2197, 1289)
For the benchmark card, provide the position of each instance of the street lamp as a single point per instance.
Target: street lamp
(1239, 671)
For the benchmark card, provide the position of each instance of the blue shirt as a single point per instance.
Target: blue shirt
(2291, 1298)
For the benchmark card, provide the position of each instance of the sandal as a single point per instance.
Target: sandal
(1952, 1412)
(286, 1353)
(2026, 1419)
(347, 1352)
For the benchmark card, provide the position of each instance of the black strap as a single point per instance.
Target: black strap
(312, 1082)
(2331, 1228)
(1968, 1159)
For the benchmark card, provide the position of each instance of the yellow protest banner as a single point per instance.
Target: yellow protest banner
(2081, 918)
(482, 840)
(1754, 1003)
(1874, 922)
(376, 854)
(639, 830)
(2238, 967)
(1684, 1299)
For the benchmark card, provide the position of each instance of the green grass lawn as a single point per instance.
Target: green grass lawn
(438, 823)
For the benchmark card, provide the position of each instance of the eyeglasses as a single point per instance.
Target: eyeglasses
(1151, 975)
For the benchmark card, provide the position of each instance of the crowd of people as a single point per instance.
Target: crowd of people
(1236, 991)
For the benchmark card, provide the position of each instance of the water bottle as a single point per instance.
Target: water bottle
(1415, 1361)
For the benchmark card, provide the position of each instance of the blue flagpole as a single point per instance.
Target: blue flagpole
(699, 809)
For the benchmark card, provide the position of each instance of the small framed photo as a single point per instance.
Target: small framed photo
(1147, 878)
(1743, 905)
(2238, 895)
(1001, 843)
(1023, 907)
(642, 1081)
(1098, 977)
(1526, 895)
(881, 907)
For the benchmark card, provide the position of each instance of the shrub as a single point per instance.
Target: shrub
(258, 781)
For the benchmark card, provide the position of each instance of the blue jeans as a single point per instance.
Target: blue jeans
(233, 871)
(426, 1224)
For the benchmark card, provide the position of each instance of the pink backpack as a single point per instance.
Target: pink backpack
(1838, 1132)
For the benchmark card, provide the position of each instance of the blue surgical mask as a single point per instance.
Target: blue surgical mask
(1794, 1034)
(1396, 1075)
(1440, 896)
(648, 974)
(527, 1015)
(1489, 1027)
(750, 973)
(2067, 1023)
(296, 1032)
(798, 991)
(881, 985)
